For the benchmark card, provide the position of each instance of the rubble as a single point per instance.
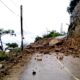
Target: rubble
(66, 45)
(1, 66)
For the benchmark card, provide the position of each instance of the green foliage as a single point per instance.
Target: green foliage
(12, 45)
(16, 50)
(3, 32)
(49, 35)
(52, 34)
(72, 5)
(3, 56)
(37, 38)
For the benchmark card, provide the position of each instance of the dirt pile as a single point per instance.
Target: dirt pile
(66, 46)
(72, 46)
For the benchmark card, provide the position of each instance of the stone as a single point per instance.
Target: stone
(1, 66)
(53, 42)
(33, 73)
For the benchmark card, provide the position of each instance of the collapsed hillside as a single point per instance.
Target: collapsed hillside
(48, 45)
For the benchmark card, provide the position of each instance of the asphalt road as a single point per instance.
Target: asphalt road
(48, 67)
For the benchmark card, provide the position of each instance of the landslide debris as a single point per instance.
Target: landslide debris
(68, 46)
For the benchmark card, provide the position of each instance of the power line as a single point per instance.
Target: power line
(15, 3)
(8, 8)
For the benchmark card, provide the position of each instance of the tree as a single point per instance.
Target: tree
(72, 5)
(12, 45)
(4, 32)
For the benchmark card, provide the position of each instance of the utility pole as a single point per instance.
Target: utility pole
(21, 17)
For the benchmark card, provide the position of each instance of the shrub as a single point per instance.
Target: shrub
(49, 35)
(52, 34)
(3, 56)
(12, 45)
(37, 38)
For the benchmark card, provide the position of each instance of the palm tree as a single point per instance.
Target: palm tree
(4, 32)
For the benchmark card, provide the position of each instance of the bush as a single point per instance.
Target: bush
(52, 34)
(49, 35)
(37, 38)
(12, 45)
(16, 50)
(3, 56)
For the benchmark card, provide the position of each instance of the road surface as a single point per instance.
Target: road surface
(48, 67)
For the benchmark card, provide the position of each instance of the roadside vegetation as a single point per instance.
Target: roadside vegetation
(11, 49)
(49, 35)
(3, 56)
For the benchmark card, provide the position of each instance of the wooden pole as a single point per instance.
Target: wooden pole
(21, 17)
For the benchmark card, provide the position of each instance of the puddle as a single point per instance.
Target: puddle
(46, 67)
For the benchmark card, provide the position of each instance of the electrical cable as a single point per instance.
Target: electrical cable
(15, 3)
(8, 8)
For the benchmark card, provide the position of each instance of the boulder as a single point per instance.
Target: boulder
(1, 66)
(54, 42)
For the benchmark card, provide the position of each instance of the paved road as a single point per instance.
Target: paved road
(48, 67)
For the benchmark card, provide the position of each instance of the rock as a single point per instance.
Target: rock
(60, 56)
(1, 66)
(33, 73)
(39, 59)
(46, 52)
(53, 42)
(57, 49)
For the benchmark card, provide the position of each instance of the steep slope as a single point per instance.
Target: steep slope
(74, 28)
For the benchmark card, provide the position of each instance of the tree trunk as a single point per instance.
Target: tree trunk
(1, 46)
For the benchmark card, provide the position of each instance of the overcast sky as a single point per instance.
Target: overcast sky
(39, 17)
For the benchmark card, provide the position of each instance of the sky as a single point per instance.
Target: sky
(39, 16)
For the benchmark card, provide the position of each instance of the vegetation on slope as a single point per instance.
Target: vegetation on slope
(49, 35)
(72, 5)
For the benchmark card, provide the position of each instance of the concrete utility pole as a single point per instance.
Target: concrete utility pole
(21, 17)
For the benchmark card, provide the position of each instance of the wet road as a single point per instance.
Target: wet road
(48, 67)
